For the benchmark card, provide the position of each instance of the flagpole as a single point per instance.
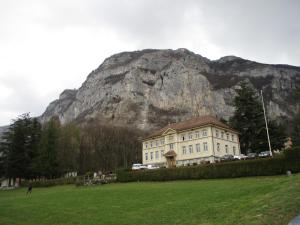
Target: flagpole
(262, 99)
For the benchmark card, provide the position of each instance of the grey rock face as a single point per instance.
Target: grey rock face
(147, 89)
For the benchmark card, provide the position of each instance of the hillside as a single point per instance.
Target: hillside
(149, 88)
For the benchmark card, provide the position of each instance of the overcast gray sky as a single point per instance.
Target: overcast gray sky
(47, 46)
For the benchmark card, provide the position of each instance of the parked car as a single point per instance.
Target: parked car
(252, 155)
(264, 154)
(240, 157)
(138, 166)
(152, 167)
(227, 158)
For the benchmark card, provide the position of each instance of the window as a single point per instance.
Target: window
(233, 149)
(190, 136)
(156, 155)
(151, 144)
(182, 137)
(222, 134)
(146, 156)
(232, 137)
(162, 141)
(205, 147)
(218, 147)
(171, 137)
(227, 136)
(171, 146)
(217, 133)
(226, 148)
(191, 149)
(183, 150)
(204, 133)
(146, 145)
(156, 143)
(151, 155)
(197, 134)
(162, 152)
(198, 147)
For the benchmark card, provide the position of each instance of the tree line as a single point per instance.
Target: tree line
(30, 150)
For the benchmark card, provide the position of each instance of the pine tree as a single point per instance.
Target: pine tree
(248, 119)
(18, 147)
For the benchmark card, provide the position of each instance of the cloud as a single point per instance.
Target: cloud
(48, 46)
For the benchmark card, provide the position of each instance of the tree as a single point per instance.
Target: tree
(248, 119)
(68, 148)
(296, 121)
(18, 147)
(107, 148)
(296, 131)
(47, 160)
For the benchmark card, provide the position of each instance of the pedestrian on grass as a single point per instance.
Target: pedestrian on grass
(29, 190)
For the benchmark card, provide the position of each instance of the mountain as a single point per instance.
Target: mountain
(149, 88)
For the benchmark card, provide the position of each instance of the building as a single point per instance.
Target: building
(194, 141)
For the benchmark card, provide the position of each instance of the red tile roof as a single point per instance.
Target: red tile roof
(189, 124)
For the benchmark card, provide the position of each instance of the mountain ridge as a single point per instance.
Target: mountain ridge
(147, 89)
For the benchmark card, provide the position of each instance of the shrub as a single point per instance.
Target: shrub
(290, 160)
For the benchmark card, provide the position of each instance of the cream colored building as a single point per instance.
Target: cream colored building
(194, 141)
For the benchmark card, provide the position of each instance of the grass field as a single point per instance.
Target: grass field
(259, 200)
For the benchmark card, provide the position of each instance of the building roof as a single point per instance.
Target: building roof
(189, 124)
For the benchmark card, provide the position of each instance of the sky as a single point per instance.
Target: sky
(47, 46)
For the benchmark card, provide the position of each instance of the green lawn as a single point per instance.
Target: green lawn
(259, 200)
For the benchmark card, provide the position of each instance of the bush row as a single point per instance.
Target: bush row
(290, 160)
(50, 182)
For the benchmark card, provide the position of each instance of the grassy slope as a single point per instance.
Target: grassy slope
(262, 200)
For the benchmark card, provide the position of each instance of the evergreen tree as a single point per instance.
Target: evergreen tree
(248, 119)
(4, 149)
(18, 148)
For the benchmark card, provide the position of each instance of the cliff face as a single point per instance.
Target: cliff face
(147, 89)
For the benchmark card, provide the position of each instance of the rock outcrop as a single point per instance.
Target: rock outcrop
(149, 88)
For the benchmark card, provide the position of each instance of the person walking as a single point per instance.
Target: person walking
(29, 190)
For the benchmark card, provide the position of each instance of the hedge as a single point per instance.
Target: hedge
(290, 160)
(50, 182)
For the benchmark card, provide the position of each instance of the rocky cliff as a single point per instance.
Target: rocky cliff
(147, 89)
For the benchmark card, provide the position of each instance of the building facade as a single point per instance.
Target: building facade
(194, 141)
